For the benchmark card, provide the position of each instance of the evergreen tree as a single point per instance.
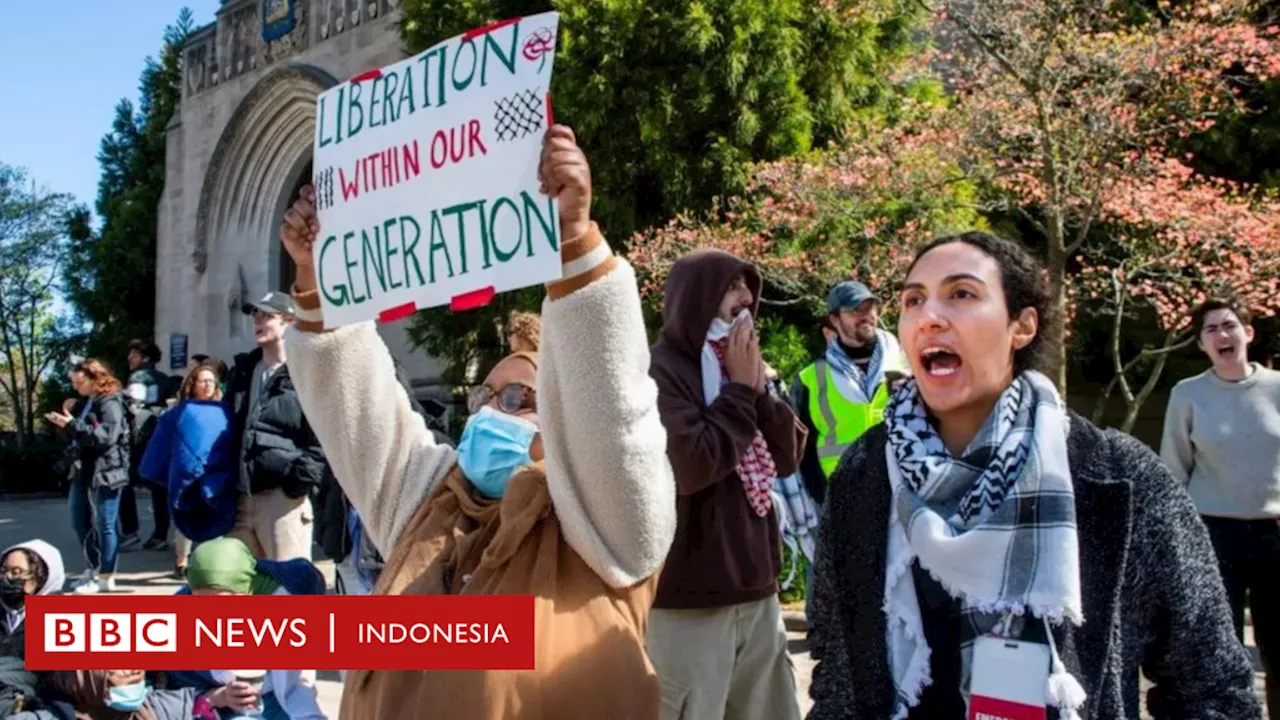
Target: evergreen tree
(110, 275)
(674, 101)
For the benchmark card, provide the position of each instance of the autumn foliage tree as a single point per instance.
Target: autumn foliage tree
(1051, 97)
(1182, 239)
(856, 210)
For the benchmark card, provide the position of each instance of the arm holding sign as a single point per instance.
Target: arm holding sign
(605, 448)
(607, 469)
(381, 451)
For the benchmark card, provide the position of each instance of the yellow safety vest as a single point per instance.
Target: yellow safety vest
(838, 421)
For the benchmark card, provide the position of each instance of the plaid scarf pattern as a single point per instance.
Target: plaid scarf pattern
(996, 526)
(756, 466)
(863, 381)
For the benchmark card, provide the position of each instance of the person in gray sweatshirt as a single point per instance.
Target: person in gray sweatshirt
(1222, 439)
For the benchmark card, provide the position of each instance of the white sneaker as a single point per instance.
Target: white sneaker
(93, 587)
(85, 578)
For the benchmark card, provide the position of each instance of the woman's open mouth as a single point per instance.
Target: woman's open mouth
(1227, 352)
(940, 362)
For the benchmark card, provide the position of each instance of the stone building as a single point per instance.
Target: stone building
(239, 148)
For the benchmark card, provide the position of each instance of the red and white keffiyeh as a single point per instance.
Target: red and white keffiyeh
(756, 466)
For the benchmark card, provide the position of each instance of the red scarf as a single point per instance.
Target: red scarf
(756, 466)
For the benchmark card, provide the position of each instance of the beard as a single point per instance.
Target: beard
(862, 335)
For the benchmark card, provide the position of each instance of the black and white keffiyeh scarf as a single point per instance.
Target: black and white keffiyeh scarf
(996, 527)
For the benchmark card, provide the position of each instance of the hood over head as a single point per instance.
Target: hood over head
(691, 299)
(52, 561)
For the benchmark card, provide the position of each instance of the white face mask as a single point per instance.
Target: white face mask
(720, 329)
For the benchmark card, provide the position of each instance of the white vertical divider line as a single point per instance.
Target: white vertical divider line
(330, 633)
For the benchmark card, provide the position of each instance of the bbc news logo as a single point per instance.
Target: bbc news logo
(327, 632)
(111, 632)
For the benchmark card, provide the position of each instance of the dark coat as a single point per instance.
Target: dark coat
(332, 533)
(273, 440)
(1153, 599)
(101, 441)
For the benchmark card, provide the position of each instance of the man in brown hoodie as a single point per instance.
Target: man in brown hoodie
(715, 632)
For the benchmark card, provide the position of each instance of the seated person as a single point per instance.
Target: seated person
(130, 695)
(30, 568)
(226, 566)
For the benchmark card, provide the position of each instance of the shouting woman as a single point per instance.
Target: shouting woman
(987, 548)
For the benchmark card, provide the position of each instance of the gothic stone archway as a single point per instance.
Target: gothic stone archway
(261, 159)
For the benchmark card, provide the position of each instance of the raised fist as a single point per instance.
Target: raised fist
(565, 175)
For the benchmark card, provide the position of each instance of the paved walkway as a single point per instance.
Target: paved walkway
(148, 573)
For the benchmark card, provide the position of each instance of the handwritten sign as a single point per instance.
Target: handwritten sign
(427, 176)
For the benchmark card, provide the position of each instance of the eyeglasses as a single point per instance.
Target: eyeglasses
(17, 573)
(512, 398)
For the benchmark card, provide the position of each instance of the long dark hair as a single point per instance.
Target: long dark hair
(1026, 285)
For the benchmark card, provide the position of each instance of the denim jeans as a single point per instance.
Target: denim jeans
(94, 512)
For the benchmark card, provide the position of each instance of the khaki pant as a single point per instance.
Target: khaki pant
(728, 662)
(274, 525)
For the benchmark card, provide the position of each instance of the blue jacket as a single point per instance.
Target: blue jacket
(192, 453)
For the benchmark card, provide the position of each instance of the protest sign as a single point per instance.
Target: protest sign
(426, 176)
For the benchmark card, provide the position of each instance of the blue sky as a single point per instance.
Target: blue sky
(67, 64)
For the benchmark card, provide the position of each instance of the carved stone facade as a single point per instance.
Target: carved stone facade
(238, 149)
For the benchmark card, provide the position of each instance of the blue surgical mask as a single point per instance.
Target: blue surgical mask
(494, 445)
(127, 698)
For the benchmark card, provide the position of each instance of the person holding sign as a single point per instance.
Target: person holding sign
(560, 487)
(987, 553)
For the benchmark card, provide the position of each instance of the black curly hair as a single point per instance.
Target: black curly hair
(1026, 285)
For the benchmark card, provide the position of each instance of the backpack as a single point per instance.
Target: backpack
(141, 423)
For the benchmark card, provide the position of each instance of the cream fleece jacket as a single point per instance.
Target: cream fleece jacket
(607, 471)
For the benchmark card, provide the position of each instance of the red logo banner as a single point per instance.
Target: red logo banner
(324, 632)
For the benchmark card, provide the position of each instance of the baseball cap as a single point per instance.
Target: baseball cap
(848, 295)
(274, 303)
